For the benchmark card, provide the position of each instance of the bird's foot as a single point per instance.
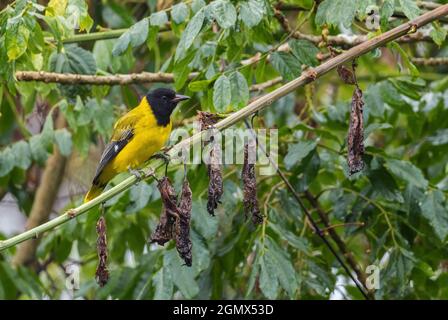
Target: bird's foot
(139, 174)
(165, 157)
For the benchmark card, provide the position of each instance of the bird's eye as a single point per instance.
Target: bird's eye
(165, 98)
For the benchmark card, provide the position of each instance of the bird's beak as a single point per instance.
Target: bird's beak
(180, 97)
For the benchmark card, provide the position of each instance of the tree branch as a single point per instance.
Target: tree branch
(117, 79)
(257, 105)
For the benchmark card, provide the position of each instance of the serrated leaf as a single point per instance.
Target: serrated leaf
(434, 209)
(252, 12)
(191, 32)
(286, 64)
(22, 154)
(63, 139)
(410, 8)
(405, 170)
(335, 12)
(224, 13)
(305, 51)
(135, 36)
(179, 13)
(239, 90)
(297, 152)
(285, 271)
(221, 93)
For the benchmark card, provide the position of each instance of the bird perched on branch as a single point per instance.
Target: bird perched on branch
(137, 136)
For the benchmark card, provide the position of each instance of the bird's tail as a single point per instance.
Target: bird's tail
(94, 192)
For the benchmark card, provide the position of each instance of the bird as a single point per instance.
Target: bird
(136, 137)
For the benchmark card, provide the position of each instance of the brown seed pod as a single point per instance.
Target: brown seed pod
(214, 168)
(215, 185)
(207, 119)
(183, 241)
(165, 229)
(102, 273)
(250, 201)
(346, 75)
(355, 138)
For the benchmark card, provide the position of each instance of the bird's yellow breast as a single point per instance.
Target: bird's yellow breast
(149, 138)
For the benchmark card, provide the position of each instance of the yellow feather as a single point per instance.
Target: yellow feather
(148, 138)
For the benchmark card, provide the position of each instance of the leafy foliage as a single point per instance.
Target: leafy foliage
(392, 215)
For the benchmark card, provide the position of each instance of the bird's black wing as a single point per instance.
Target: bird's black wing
(111, 151)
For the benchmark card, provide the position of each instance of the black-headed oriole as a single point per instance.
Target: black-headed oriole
(136, 137)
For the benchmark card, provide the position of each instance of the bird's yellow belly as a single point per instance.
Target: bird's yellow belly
(143, 145)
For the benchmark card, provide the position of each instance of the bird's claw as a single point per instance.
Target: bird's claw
(139, 174)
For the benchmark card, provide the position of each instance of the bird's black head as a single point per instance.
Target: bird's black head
(163, 101)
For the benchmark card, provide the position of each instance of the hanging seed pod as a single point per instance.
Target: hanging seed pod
(215, 185)
(165, 229)
(102, 273)
(250, 201)
(355, 139)
(214, 168)
(346, 75)
(183, 241)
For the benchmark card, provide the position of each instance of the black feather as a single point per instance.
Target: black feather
(111, 151)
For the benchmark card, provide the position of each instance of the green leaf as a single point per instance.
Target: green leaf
(198, 86)
(335, 12)
(239, 90)
(197, 5)
(268, 281)
(79, 9)
(139, 195)
(252, 12)
(7, 161)
(135, 36)
(63, 139)
(191, 32)
(406, 59)
(78, 60)
(163, 285)
(158, 19)
(22, 154)
(434, 209)
(286, 64)
(16, 40)
(407, 172)
(179, 13)
(297, 152)
(383, 184)
(438, 34)
(224, 13)
(410, 8)
(305, 51)
(183, 277)
(285, 271)
(221, 93)
(38, 147)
